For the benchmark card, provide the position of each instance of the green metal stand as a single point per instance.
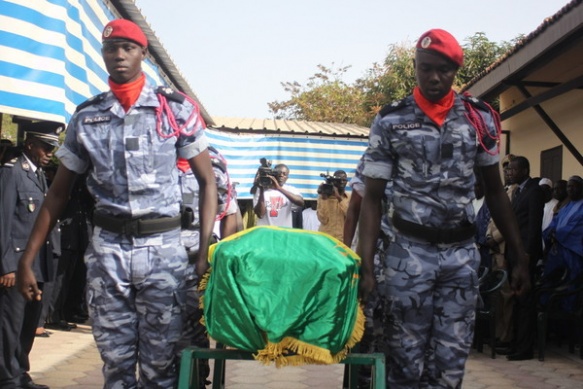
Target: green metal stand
(190, 374)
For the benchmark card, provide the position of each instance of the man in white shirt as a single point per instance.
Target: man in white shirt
(274, 204)
(550, 202)
(310, 217)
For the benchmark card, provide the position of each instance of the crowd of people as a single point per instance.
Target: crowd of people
(538, 205)
(121, 233)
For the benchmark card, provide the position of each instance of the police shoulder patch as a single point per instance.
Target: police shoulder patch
(170, 94)
(394, 106)
(93, 100)
(474, 101)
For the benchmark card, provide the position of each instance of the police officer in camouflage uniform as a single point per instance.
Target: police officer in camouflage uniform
(194, 333)
(428, 144)
(372, 340)
(128, 140)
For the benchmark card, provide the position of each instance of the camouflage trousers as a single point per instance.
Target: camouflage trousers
(430, 295)
(135, 295)
(373, 341)
(194, 333)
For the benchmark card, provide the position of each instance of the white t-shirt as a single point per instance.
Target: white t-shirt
(548, 213)
(278, 207)
(310, 219)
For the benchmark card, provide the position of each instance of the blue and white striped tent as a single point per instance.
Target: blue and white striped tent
(50, 61)
(50, 58)
(307, 156)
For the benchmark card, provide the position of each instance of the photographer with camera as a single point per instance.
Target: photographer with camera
(273, 199)
(333, 204)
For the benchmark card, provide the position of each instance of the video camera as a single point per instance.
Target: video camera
(327, 188)
(265, 171)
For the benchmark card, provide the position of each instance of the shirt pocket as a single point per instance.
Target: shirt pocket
(100, 143)
(29, 203)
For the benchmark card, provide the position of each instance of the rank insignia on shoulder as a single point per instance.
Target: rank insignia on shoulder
(476, 102)
(394, 106)
(96, 119)
(170, 94)
(91, 101)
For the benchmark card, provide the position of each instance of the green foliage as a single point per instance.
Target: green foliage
(393, 80)
(8, 128)
(327, 98)
(479, 54)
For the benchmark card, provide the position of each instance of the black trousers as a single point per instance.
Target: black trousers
(18, 322)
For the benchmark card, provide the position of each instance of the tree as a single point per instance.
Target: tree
(393, 80)
(479, 54)
(327, 98)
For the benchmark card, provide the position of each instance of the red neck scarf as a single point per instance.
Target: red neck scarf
(437, 111)
(128, 93)
(183, 164)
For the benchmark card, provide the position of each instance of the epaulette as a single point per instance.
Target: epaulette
(394, 106)
(480, 104)
(10, 163)
(170, 94)
(94, 100)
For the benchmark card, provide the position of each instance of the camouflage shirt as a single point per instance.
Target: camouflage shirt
(132, 164)
(431, 168)
(357, 185)
(227, 198)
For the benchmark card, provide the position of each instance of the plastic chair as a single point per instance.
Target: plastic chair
(482, 273)
(490, 284)
(550, 310)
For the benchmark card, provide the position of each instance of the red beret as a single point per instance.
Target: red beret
(443, 43)
(124, 29)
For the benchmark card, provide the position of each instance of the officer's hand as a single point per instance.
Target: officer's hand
(26, 284)
(365, 286)
(202, 266)
(8, 280)
(520, 281)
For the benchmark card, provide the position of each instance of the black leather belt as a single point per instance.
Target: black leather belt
(433, 234)
(136, 227)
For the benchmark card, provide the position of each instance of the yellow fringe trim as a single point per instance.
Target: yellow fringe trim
(305, 353)
(202, 284)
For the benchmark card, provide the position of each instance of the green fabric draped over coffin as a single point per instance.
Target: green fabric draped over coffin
(288, 295)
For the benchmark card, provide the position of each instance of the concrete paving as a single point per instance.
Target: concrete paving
(70, 360)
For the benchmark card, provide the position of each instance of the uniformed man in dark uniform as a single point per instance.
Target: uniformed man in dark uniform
(22, 190)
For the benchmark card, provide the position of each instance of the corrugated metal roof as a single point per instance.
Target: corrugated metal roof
(129, 10)
(525, 41)
(289, 127)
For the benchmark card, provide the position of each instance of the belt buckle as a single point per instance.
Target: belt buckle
(131, 228)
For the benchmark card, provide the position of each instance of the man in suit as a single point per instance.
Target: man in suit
(528, 204)
(23, 187)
